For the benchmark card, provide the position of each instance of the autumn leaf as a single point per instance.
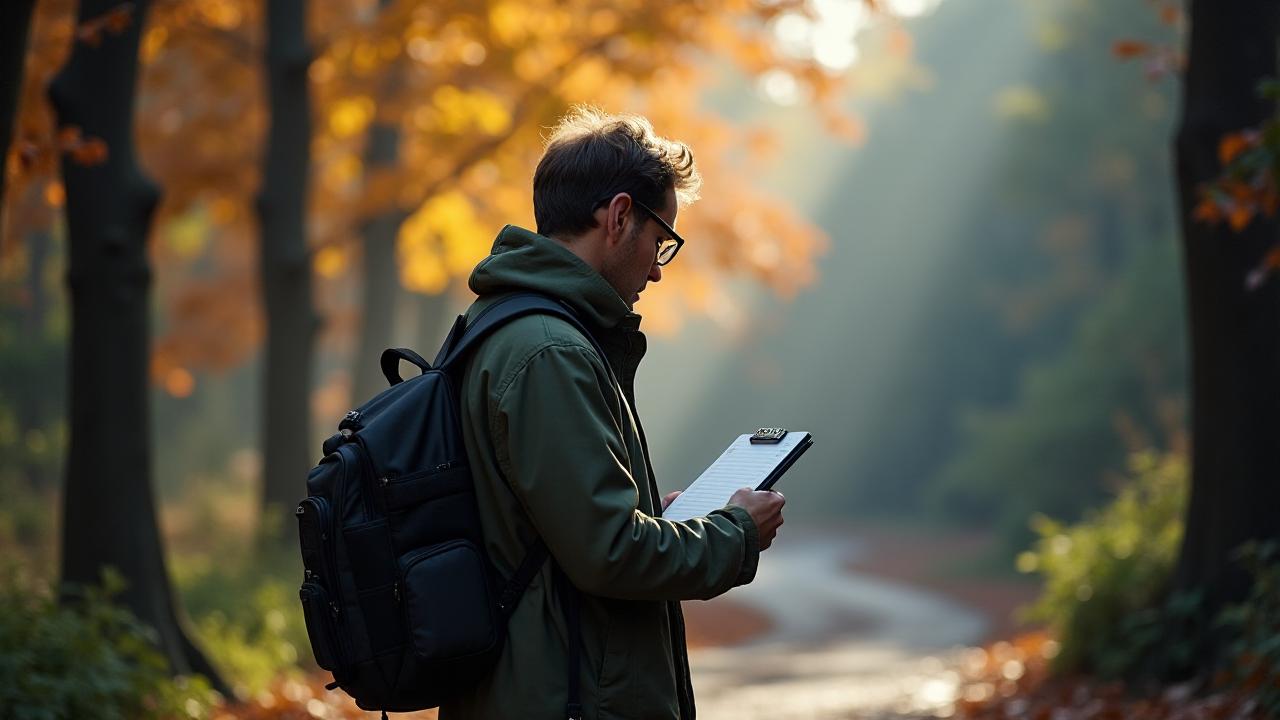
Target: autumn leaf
(68, 137)
(1239, 215)
(1232, 144)
(179, 382)
(90, 152)
(115, 21)
(55, 194)
(1129, 49)
(1207, 210)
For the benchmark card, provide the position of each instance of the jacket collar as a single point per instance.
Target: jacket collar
(524, 260)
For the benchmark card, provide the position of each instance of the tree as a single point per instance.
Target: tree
(426, 112)
(109, 517)
(476, 84)
(378, 285)
(1235, 349)
(286, 266)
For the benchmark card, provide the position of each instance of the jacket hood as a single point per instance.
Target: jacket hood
(525, 260)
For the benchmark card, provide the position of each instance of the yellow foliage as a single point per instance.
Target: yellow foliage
(364, 57)
(471, 88)
(330, 261)
(185, 235)
(222, 14)
(350, 116)
(421, 271)
(455, 111)
(509, 22)
(448, 225)
(152, 43)
(585, 78)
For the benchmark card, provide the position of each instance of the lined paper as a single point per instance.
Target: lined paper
(740, 465)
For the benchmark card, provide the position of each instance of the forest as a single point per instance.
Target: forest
(1012, 264)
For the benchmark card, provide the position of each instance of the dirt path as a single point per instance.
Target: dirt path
(833, 640)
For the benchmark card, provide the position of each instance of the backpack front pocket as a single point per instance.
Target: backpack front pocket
(448, 605)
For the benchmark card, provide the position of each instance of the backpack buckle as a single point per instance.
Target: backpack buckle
(351, 422)
(574, 711)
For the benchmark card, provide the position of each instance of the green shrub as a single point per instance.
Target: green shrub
(1106, 579)
(247, 616)
(1253, 657)
(90, 659)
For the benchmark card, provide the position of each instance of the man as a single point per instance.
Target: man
(557, 451)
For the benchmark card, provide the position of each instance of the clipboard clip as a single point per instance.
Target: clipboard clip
(768, 436)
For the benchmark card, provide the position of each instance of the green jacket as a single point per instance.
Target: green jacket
(557, 451)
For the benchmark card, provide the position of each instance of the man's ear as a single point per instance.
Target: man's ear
(617, 217)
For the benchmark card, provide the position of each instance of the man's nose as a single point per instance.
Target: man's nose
(655, 273)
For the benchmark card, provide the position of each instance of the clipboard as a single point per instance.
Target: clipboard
(742, 464)
(787, 462)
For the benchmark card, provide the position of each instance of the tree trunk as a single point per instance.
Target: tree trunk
(1234, 332)
(286, 270)
(109, 516)
(381, 282)
(15, 23)
(433, 321)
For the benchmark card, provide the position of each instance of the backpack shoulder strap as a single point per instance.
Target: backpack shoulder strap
(493, 317)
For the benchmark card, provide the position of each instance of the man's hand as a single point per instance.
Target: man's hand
(765, 508)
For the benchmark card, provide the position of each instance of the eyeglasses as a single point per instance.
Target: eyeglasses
(667, 246)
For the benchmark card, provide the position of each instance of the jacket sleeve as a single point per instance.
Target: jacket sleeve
(567, 463)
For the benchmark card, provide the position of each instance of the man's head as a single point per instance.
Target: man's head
(606, 186)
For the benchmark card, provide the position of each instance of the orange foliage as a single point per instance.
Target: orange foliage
(1233, 144)
(1011, 680)
(468, 88)
(1245, 188)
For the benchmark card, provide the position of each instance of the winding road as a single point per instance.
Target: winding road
(843, 644)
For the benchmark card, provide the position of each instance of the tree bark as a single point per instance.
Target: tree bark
(381, 282)
(15, 24)
(1234, 332)
(285, 258)
(109, 517)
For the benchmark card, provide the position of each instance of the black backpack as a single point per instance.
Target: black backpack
(401, 602)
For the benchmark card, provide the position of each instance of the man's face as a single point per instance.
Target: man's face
(631, 263)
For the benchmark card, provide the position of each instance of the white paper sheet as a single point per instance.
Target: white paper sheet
(740, 465)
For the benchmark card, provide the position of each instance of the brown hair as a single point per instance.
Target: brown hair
(592, 156)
